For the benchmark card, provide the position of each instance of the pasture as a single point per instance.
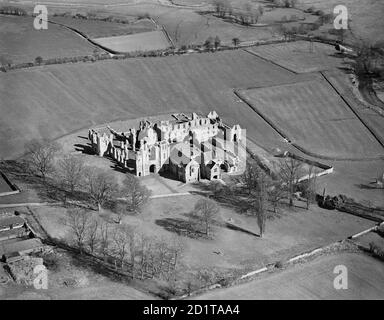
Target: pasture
(232, 251)
(97, 28)
(146, 41)
(20, 42)
(300, 56)
(365, 17)
(313, 116)
(312, 280)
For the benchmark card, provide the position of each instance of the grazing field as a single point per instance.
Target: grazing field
(56, 100)
(153, 40)
(299, 56)
(4, 186)
(97, 28)
(313, 280)
(20, 42)
(365, 16)
(313, 116)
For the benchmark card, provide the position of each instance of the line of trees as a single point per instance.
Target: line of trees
(72, 178)
(137, 254)
(247, 15)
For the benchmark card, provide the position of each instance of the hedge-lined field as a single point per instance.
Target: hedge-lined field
(313, 116)
(299, 57)
(55, 100)
(20, 42)
(145, 41)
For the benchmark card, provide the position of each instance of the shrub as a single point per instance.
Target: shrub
(279, 264)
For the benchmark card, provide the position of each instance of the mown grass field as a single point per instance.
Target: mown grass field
(299, 56)
(312, 115)
(313, 280)
(145, 41)
(20, 42)
(95, 28)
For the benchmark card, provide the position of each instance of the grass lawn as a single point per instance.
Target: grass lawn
(299, 57)
(22, 43)
(313, 280)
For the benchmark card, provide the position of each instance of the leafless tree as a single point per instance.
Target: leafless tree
(122, 238)
(40, 157)
(105, 239)
(309, 186)
(79, 222)
(206, 212)
(93, 235)
(71, 172)
(288, 172)
(236, 41)
(100, 185)
(259, 201)
(275, 194)
(250, 176)
(134, 193)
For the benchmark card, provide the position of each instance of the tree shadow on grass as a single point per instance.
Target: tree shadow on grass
(180, 227)
(368, 187)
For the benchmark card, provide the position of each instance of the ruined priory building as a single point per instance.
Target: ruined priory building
(188, 148)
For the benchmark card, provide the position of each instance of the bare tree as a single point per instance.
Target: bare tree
(288, 172)
(79, 220)
(71, 172)
(275, 194)
(93, 235)
(100, 185)
(135, 194)
(217, 42)
(40, 157)
(206, 212)
(236, 41)
(309, 186)
(105, 240)
(259, 201)
(122, 238)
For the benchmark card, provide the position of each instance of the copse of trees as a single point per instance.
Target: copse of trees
(11, 10)
(122, 246)
(40, 158)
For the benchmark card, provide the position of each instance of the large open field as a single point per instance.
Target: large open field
(300, 56)
(56, 100)
(312, 115)
(20, 42)
(154, 40)
(313, 280)
(98, 28)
